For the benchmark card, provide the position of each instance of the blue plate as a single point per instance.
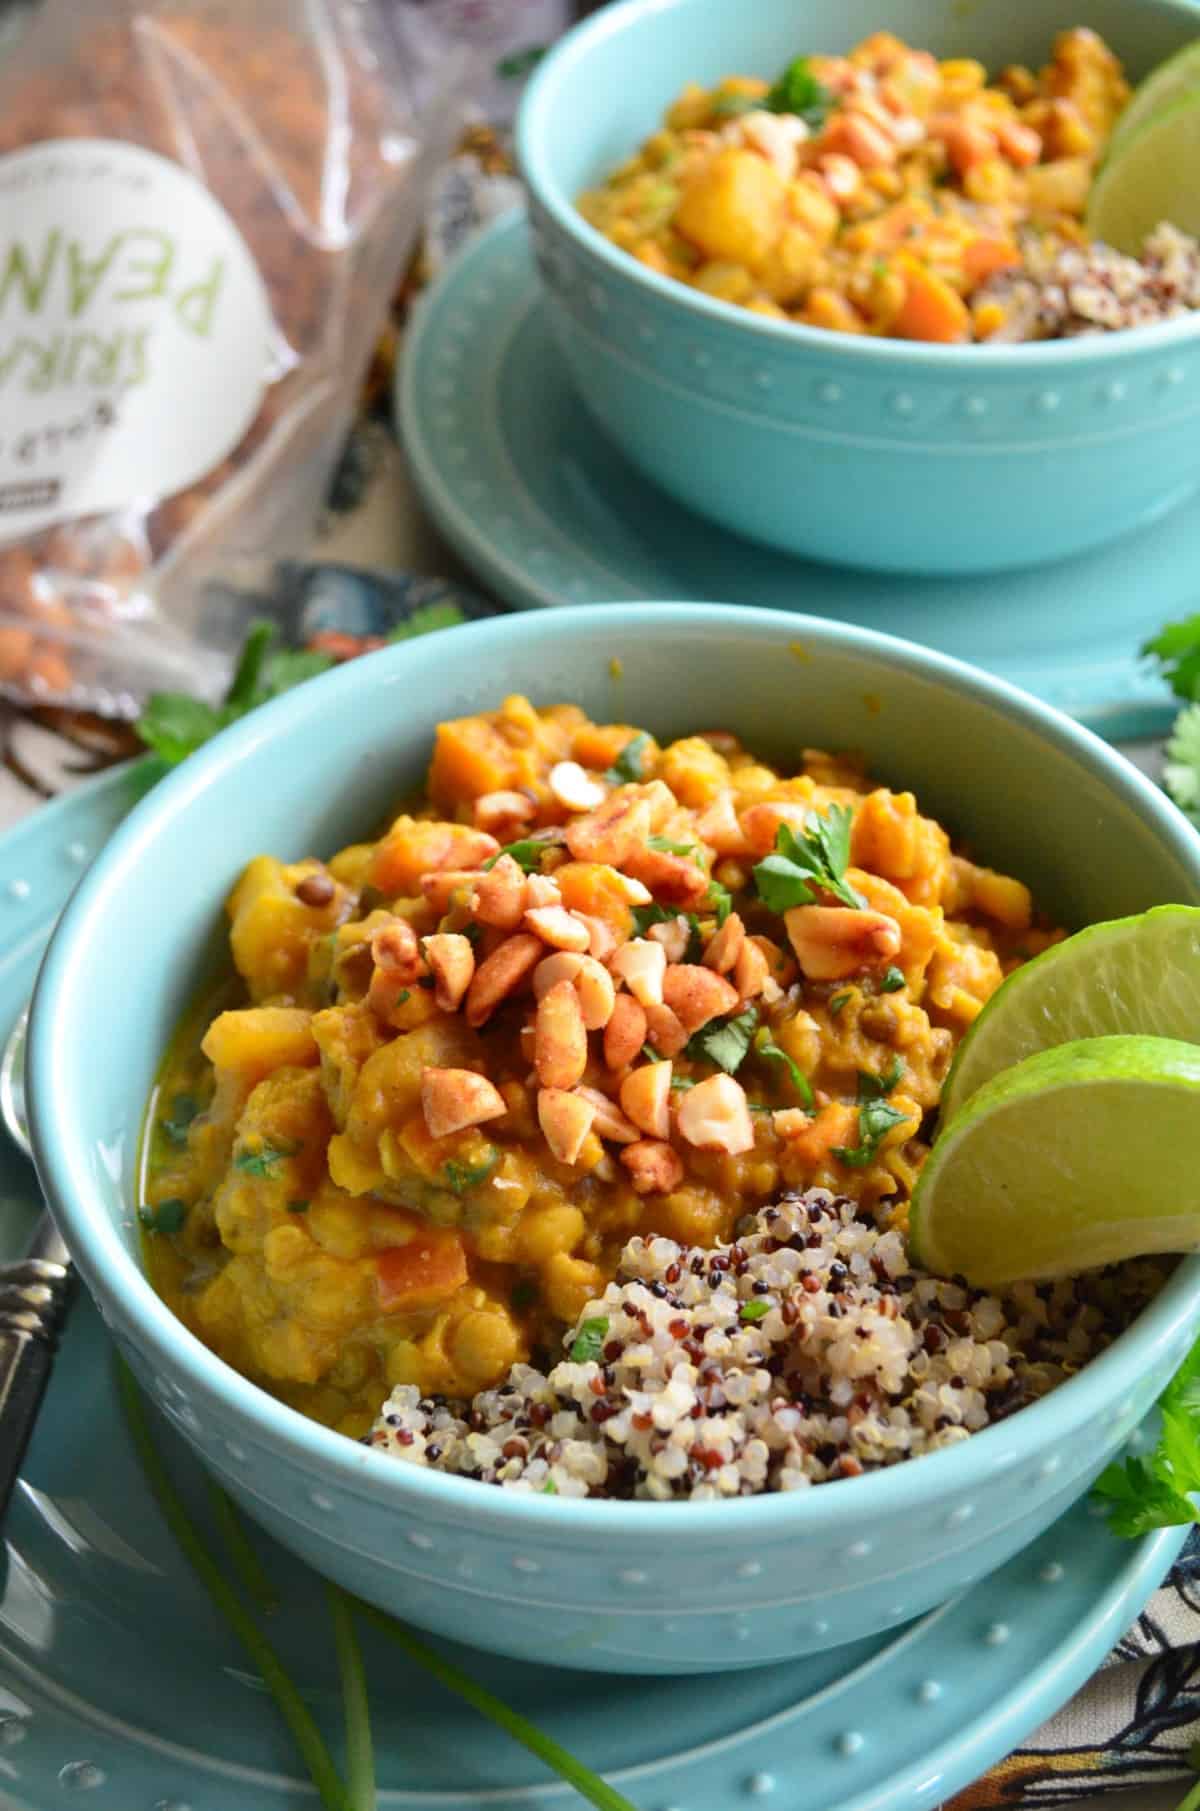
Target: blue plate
(524, 485)
(118, 1680)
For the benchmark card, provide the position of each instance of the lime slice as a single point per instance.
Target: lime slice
(1155, 92)
(1080, 1156)
(1132, 974)
(1150, 177)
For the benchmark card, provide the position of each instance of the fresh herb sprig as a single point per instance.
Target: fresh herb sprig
(1157, 1491)
(803, 869)
(875, 1117)
(1177, 650)
(766, 1047)
(724, 1042)
(800, 91)
(174, 724)
(630, 764)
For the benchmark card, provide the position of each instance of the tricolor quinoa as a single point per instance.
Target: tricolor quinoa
(1064, 291)
(808, 1350)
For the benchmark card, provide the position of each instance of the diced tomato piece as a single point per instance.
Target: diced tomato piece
(430, 1267)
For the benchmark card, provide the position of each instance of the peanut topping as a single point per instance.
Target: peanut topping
(502, 973)
(834, 942)
(718, 826)
(602, 939)
(504, 814)
(760, 824)
(696, 995)
(613, 831)
(558, 927)
(452, 961)
(396, 951)
(672, 878)
(664, 1031)
(654, 1167)
(725, 946)
(565, 1120)
(591, 980)
(642, 965)
(574, 788)
(674, 936)
(541, 890)
(609, 1122)
(499, 895)
(560, 1047)
(625, 1032)
(750, 971)
(646, 1098)
(453, 1099)
(714, 1116)
(440, 886)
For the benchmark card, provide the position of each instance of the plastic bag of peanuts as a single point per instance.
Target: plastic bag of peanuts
(204, 209)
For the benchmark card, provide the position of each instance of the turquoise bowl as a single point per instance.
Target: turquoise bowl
(623, 1587)
(866, 452)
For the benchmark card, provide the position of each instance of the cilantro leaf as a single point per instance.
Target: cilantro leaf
(803, 868)
(174, 724)
(875, 1120)
(725, 1041)
(838, 1001)
(263, 1161)
(1139, 1501)
(799, 91)
(765, 1046)
(666, 847)
(892, 981)
(174, 1126)
(756, 1310)
(876, 1087)
(1177, 650)
(718, 899)
(630, 763)
(462, 1176)
(165, 1216)
(588, 1343)
(425, 618)
(549, 1488)
(1181, 769)
(527, 852)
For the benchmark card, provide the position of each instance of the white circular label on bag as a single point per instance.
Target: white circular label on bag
(135, 331)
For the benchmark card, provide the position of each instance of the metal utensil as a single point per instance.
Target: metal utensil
(35, 1293)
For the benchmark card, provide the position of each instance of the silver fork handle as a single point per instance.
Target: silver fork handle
(34, 1296)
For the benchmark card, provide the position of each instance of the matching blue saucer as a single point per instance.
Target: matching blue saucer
(523, 485)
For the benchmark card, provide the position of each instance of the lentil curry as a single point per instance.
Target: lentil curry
(880, 192)
(591, 989)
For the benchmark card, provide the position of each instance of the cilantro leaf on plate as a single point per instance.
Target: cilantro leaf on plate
(1181, 769)
(1156, 1491)
(1177, 650)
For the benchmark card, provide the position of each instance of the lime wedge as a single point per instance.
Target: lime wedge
(1165, 84)
(1150, 177)
(1080, 1156)
(1130, 975)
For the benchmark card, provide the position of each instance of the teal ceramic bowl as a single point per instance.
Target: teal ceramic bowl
(625, 1587)
(867, 452)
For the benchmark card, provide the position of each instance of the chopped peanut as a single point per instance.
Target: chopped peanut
(725, 946)
(642, 965)
(452, 962)
(541, 890)
(625, 1032)
(834, 942)
(646, 1098)
(503, 972)
(612, 832)
(565, 1119)
(558, 927)
(696, 995)
(498, 897)
(718, 826)
(674, 934)
(664, 1031)
(453, 1099)
(504, 814)
(396, 950)
(591, 980)
(656, 1169)
(560, 1038)
(714, 1116)
(441, 886)
(574, 788)
(609, 1122)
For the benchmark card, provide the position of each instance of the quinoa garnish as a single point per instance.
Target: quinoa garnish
(1063, 292)
(848, 1361)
